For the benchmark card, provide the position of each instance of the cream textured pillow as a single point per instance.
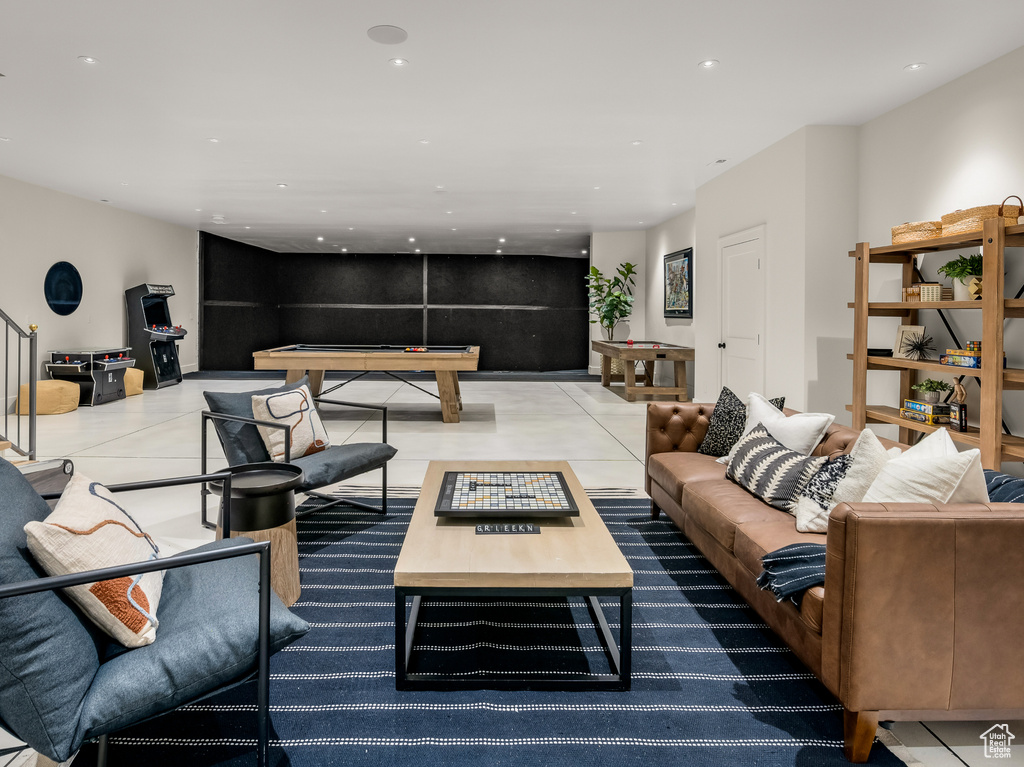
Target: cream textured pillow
(296, 408)
(932, 471)
(800, 432)
(845, 481)
(89, 530)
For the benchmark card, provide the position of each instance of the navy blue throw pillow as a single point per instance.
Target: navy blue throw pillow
(1003, 488)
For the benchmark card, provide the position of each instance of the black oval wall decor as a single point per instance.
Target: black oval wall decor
(63, 288)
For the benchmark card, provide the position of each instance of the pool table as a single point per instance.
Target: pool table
(316, 359)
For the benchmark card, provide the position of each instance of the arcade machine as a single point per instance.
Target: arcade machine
(152, 334)
(99, 373)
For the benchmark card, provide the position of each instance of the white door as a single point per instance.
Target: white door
(743, 340)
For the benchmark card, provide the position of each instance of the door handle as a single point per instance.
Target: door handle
(721, 345)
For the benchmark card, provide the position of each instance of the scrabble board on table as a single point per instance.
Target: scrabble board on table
(505, 494)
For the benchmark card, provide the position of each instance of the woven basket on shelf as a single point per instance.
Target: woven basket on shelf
(931, 292)
(916, 230)
(972, 219)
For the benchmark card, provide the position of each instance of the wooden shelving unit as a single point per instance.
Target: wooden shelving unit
(995, 446)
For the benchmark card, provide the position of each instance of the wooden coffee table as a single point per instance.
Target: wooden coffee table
(572, 556)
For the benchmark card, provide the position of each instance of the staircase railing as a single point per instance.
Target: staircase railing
(22, 339)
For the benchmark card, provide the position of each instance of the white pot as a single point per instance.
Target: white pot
(961, 291)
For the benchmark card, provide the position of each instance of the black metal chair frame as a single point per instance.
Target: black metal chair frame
(180, 560)
(208, 415)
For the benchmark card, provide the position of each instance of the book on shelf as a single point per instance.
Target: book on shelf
(960, 360)
(931, 420)
(928, 408)
(963, 352)
(958, 416)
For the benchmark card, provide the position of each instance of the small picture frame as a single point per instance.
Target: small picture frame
(679, 284)
(902, 333)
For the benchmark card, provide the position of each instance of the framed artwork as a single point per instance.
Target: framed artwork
(679, 284)
(905, 333)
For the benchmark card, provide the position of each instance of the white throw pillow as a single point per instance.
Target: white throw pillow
(88, 530)
(296, 408)
(866, 459)
(800, 432)
(932, 471)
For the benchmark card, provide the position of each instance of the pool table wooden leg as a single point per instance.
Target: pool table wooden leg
(606, 370)
(458, 391)
(680, 378)
(316, 381)
(447, 389)
(630, 375)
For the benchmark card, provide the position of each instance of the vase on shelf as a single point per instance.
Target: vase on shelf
(962, 288)
(931, 397)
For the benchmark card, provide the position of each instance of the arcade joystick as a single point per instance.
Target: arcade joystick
(629, 342)
(656, 346)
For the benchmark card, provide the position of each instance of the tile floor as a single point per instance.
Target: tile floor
(595, 429)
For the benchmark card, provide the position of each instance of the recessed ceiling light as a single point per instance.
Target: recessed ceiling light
(282, 186)
(498, 250)
(199, 210)
(636, 143)
(439, 186)
(5, 138)
(584, 251)
(448, 212)
(89, 59)
(213, 140)
(319, 239)
(501, 239)
(344, 250)
(124, 183)
(708, 64)
(417, 250)
(351, 228)
(323, 211)
(573, 213)
(248, 227)
(387, 34)
(674, 204)
(412, 239)
(454, 229)
(424, 141)
(596, 188)
(104, 200)
(399, 62)
(558, 230)
(640, 222)
(720, 161)
(914, 67)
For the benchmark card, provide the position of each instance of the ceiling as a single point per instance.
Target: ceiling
(515, 119)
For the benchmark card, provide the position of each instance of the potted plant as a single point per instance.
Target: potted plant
(961, 271)
(611, 299)
(930, 389)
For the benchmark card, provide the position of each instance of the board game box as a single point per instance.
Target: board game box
(505, 494)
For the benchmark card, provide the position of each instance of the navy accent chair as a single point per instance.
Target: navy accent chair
(63, 682)
(232, 417)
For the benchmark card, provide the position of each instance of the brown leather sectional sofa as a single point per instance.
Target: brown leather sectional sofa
(922, 613)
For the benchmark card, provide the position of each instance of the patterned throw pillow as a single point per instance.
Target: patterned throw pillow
(727, 421)
(297, 409)
(770, 470)
(845, 483)
(89, 530)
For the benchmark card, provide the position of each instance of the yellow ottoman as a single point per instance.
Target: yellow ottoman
(52, 397)
(132, 382)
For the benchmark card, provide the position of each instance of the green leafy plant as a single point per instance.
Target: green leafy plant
(962, 267)
(930, 384)
(611, 299)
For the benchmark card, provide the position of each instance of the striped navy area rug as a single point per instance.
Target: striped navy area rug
(711, 684)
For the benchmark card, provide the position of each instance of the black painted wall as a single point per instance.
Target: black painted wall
(525, 312)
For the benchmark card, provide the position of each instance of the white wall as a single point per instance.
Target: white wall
(958, 146)
(831, 184)
(112, 249)
(769, 189)
(607, 251)
(678, 233)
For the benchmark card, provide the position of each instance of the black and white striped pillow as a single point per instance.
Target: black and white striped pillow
(771, 471)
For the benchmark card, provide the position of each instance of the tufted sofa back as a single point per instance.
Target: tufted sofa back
(682, 426)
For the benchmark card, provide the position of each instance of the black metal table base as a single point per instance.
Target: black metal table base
(619, 655)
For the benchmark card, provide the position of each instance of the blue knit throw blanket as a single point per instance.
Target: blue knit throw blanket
(791, 570)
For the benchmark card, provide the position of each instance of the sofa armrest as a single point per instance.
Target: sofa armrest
(923, 606)
(675, 426)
